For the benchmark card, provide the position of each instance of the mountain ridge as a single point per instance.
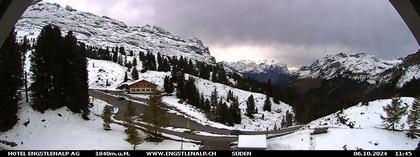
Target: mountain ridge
(262, 70)
(359, 66)
(104, 32)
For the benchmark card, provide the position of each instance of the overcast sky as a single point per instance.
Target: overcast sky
(293, 31)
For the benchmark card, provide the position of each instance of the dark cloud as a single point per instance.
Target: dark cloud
(295, 31)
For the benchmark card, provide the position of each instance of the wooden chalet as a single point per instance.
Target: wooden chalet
(141, 87)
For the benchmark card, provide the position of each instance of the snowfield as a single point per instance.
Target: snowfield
(412, 72)
(367, 134)
(101, 72)
(50, 131)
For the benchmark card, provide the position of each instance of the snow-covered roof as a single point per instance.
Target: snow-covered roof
(252, 141)
(151, 83)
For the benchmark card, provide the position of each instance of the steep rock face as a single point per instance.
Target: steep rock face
(404, 73)
(360, 67)
(106, 32)
(262, 70)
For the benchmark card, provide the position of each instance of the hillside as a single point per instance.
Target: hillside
(64, 130)
(367, 134)
(115, 73)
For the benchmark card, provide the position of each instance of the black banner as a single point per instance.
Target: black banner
(233, 153)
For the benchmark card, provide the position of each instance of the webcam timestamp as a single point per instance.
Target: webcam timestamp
(383, 153)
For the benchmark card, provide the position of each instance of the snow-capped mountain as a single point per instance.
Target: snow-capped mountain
(407, 71)
(106, 32)
(360, 66)
(261, 70)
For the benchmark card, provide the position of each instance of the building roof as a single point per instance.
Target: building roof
(142, 81)
(252, 141)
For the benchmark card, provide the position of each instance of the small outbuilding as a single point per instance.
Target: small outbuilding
(141, 87)
(252, 142)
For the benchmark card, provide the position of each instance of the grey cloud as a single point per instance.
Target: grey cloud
(371, 26)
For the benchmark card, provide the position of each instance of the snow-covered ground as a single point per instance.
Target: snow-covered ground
(106, 69)
(206, 88)
(368, 132)
(412, 72)
(101, 72)
(61, 129)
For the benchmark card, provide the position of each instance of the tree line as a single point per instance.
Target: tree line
(59, 73)
(11, 70)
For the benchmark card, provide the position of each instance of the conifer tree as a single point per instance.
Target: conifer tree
(125, 77)
(283, 122)
(75, 80)
(413, 119)
(142, 56)
(214, 75)
(207, 106)
(133, 136)
(230, 96)
(134, 62)
(174, 74)
(120, 60)
(214, 97)
(122, 50)
(250, 107)
(235, 111)
(166, 65)
(193, 93)
(155, 115)
(202, 102)
(115, 55)
(222, 78)
(43, 85)
(180, 93)
(128, 65)
(129, 115)
(106, 117)
(267, 104)
(160, 62)
(58, 64)
(168, 85)
(135, 74)
(10, 81)
(59, 79)
(394, 112)
(222, 114)
(289, 118)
